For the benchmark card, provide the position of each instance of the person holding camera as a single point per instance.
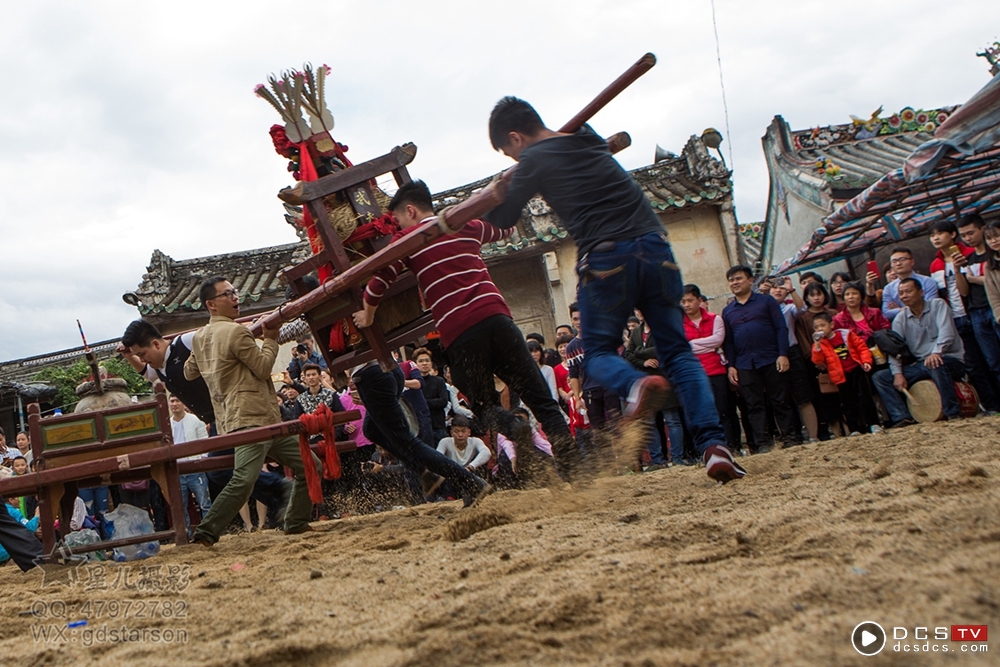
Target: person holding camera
(304, 353)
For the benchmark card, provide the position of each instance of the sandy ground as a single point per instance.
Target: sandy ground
(661, 568)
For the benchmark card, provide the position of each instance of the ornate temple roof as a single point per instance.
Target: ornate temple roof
(831, 164)
(839, 160)
(169, 287)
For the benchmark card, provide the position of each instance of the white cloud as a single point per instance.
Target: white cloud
(126, 127)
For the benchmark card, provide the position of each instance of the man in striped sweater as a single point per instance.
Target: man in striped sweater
(476, 327)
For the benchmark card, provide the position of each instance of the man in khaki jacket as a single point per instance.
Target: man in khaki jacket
(238, 375)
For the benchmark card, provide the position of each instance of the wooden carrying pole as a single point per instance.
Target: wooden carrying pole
(454, 217)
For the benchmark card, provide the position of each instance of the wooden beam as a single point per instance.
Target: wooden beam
(28, 483)
(304, 192)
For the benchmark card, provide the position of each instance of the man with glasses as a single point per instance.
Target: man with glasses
(901, 260)
(238, 375)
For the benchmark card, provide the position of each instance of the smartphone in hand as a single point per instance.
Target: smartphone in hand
(873, 267)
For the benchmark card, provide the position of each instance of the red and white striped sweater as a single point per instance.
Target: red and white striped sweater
(453, 279)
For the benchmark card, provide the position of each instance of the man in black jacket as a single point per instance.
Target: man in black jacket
(158, 360)
(435, 392)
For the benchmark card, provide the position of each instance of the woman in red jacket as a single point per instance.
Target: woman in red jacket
(859, 319)
(847, 359)
(705, 332)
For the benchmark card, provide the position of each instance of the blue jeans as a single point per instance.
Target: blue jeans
(385, 424)
(96, 499)
(976, 365)
(943, 377)
(641, 273)
(987, 332)
(675, 431)
(197, 484)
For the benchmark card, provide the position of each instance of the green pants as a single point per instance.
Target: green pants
(247, 464)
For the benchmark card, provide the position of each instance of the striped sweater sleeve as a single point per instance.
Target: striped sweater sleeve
(381, 281)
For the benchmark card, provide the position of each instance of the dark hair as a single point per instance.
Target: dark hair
(536, 336)
(632, 319)
(564, 326)
(993, 229)
(835, 300)
(415, 193)
(693, 290)
(946, 226)
(913, 281)
(310, 367)
(513, 115)
(207, 290)
(846, 277)
(574, 307)
(521, 411)
(811, 274)
(854, 286)
(814, 288)
(564, 339)
(309, 283)
(1, 430)
(535, 346)
(141, 333)
(886, 268)
(903, 249)
(739, 268)
(972, 219)
(822, 316)
(461, 421)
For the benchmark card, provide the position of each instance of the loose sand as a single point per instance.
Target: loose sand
(661, 568)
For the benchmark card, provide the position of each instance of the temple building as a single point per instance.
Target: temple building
(534, 268)
(813, 172)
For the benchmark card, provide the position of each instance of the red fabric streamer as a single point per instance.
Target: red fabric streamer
(308, 173)
(319, 422)
(338, 341)
(381, 226)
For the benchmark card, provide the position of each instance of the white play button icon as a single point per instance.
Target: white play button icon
(868, 638)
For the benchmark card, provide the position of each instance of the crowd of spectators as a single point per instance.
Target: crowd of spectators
(787, 363)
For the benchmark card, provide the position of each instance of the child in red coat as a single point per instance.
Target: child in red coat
(847, 359)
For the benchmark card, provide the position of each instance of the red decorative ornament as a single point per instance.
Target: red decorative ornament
(282, 146)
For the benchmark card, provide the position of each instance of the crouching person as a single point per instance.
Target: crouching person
(929, 332)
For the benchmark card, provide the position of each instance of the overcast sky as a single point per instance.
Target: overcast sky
(129, 126)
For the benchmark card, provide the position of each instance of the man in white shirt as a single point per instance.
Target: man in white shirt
(471, 453)
(186, 427)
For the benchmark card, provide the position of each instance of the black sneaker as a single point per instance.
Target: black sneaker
(903, 423)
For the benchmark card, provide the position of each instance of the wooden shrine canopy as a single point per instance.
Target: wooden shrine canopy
(954, 175)
(400, 319)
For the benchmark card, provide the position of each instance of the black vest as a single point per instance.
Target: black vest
(193, 393)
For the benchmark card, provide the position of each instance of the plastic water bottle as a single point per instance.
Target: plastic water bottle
(57, 412)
